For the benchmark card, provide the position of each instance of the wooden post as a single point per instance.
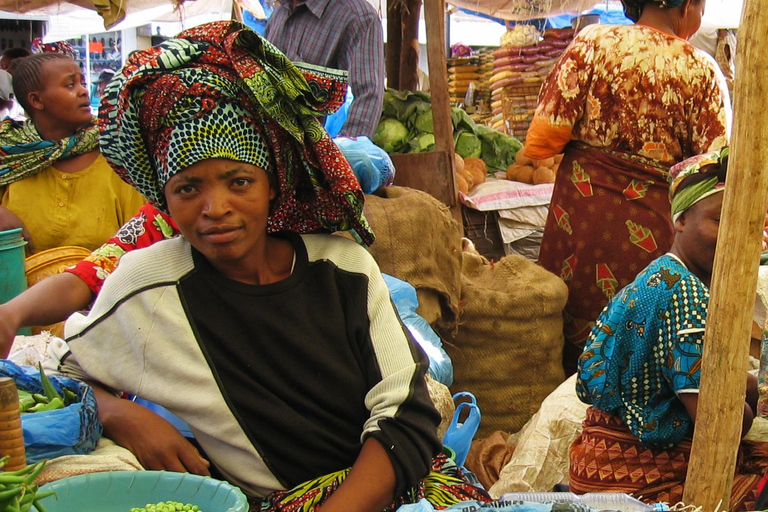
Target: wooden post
(409, 46)
(726, 340)
(394, 42)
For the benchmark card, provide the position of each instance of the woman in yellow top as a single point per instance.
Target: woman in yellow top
(624, 103)
(53, 180)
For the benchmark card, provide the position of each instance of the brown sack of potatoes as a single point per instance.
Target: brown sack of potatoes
(521, 173)
(477, 168)
(543, 175)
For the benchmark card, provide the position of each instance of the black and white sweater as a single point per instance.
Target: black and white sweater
(280, 383)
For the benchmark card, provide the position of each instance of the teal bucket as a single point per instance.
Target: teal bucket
(13, 277)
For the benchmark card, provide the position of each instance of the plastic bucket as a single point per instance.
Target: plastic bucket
(13, 279)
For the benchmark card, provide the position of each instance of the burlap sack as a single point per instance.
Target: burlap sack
(419, 242)
(508, 347)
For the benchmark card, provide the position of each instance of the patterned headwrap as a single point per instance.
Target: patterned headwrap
(24, 153)
(689, 194)
(220, 90)
(634, 8)
(63, 47)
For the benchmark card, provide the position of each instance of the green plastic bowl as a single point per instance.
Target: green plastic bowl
(118, 491)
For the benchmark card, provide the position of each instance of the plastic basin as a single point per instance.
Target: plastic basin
(118, 491)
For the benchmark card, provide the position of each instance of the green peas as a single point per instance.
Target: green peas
(167, 506)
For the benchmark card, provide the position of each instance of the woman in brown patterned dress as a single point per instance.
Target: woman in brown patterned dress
(624, 103)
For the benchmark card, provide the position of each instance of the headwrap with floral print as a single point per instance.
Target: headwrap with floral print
(220, 90)
(684, 195)
(63, 47)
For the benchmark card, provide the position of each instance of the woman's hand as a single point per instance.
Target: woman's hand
(154, 441)
(9, 220)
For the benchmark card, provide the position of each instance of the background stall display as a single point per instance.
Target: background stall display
(96, 53)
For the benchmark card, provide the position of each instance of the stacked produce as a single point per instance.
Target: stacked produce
(470, 172)
(18, 490)
(518, 72)
(462, 72)
(485, 72)
(535, 172)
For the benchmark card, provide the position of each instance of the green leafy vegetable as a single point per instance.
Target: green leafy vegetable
(391, 135)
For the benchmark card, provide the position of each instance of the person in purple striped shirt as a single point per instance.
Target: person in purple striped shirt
(340, 34)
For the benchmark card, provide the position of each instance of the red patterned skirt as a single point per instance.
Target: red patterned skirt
(607, 457)
(608, 219)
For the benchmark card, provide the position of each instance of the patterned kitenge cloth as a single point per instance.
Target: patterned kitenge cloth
(684, 195)
(646, 348)
(614, 103)
(607, 457)
(24, 153)
(444, 486)
(169, 99)
(62, 47)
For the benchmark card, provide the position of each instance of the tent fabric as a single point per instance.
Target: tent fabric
(519, 10)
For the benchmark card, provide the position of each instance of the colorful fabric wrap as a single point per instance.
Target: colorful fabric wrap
(684, 197)
(24, 153)
(63, 47)
(634, 8)
(220, 90)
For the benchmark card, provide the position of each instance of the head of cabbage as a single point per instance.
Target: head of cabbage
(467, 144)
(391, 135)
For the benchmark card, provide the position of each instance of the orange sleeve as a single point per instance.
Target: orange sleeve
(544, 140)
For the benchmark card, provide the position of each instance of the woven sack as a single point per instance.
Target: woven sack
(507, 350)
(418, 241)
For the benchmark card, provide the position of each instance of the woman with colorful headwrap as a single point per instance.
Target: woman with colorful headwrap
(641, 365)
(624, 103)
(53, 180)
(281, 350)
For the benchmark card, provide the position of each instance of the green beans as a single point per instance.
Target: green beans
(49, 400)
(18, 492)
(166, 506)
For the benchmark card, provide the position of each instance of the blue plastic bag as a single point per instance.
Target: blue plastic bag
(498, 506)
(406, 302)
(372, 165)
(73, 430)
(335, 122)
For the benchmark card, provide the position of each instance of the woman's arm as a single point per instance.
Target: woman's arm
(370, 485)
(691, 403)
(154, 441)
(50, 301)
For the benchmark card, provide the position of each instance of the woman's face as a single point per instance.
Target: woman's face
(692, 18)
(221, 206)
(63, 98)
(697, 235)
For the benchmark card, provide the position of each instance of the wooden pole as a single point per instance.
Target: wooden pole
(734, 279)
(409, 46)
(394, 42)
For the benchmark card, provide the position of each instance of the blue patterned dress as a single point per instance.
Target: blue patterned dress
(645, 348)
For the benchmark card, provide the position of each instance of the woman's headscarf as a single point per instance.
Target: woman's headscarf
(63, 47)
(24, 153)
(684, 192)
(634, 8)
(220, 90)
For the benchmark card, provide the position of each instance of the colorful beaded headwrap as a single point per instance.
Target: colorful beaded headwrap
(220, 90)
(682, 195)
(634, 8)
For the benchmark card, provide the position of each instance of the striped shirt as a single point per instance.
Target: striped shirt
(340, 34)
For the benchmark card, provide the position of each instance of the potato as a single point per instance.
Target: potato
(545, 162)
(521, 159)
(477, 168)
(558, 158)
(459, 163)
(521, 173)
(461, 184)
(543, 175)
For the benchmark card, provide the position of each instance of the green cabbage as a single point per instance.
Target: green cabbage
(499, 150)
(423, 121)
(467, 144)
(422, 142)
(391, 135)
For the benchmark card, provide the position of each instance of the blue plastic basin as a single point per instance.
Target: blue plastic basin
(118, 491)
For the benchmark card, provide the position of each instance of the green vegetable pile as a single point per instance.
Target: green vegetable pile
(18, 491)
(167, 506)
(406, 126)
(50, 401)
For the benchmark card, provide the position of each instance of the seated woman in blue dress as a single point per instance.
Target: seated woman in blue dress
(640, 369)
